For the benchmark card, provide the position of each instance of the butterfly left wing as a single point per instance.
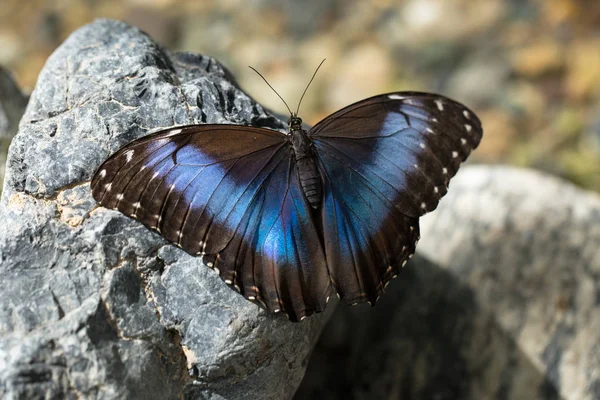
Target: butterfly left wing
(230, 193)
(385, 161)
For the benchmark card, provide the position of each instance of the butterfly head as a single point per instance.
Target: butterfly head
(295, 123)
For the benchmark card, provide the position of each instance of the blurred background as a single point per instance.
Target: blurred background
(529, 68)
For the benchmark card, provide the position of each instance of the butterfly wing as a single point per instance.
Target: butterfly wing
(229, 193)
(385, 161)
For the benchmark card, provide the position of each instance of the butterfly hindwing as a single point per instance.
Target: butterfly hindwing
(275, 256)
(385, 161)
(229, 193)
(366, 237)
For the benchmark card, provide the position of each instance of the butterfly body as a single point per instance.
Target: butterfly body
(290, 219)
(304, 154)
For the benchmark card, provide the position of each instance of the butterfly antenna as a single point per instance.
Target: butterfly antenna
(311, 79)
(267, 82)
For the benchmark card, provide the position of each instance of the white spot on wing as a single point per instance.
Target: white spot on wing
(454, 154)
(228, 281)
(251, 298)
(102, 173)
(440, 105)
(128, 155)
(468, 127)
(396, 97)
(174, 132)
(120, 196)
(434, 119)
(108, 186)
(209, 264)
(422, 145)
(435, 189)
(423, 206)
(404, 263)
(155, 175)
(429, 130)
(463, 141)
(445, 171)
(466, 114)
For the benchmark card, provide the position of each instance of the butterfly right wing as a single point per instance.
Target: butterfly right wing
(385, 161)
(232, 194)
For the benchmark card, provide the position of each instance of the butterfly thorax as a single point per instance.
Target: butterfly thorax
(310, 179)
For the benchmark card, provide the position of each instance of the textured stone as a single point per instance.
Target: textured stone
(502, 301)
(12, 104)
(92, 304)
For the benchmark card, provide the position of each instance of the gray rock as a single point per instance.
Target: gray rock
(502, 301)
(92, 304)
(12, 106)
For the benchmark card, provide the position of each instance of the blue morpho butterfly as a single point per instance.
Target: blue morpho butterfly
(290, 219)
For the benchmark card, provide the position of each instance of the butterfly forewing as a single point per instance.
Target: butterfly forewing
(410, 144)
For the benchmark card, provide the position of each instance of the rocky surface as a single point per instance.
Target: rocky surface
(12, 106)
(92, 304)
(501, 302)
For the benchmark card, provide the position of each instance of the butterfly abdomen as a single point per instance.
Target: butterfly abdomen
(310, 179)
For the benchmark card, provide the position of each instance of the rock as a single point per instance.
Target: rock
(583, 69)
(11, 47)
(358, 76)
(538, 58)
(12, 106)
(92, 304)
(502, 301)
(481, 80)
(419, 23)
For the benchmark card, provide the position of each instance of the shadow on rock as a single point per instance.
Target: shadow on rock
(428, 338)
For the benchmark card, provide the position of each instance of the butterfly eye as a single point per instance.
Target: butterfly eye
(295, 123)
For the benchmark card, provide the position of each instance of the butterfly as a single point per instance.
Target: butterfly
(288, 220)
